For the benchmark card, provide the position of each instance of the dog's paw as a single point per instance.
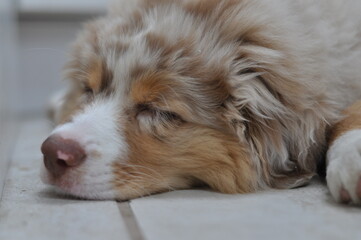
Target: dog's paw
(344, 168)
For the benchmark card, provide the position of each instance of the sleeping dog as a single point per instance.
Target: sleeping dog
(238, 95)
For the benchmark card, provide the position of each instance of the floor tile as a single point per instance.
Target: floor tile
(304, 213)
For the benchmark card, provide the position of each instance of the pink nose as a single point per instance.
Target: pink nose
(61, 154)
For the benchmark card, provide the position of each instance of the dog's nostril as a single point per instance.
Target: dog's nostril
(60, 154)
(61, 163)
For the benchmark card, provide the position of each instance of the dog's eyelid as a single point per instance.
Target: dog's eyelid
(87, 89)
(143, 107)
(165, 114)
(172, 116)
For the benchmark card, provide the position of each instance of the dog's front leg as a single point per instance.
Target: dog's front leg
(344, 158)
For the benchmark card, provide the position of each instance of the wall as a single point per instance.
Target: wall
(46, 30)
(43, 47)
(8, 84)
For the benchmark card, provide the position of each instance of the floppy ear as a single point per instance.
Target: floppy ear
(273, 109)
(218, 160)
(277, 104)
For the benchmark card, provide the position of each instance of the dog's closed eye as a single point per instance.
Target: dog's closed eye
(88, 90)
(170, 116)
(146, 110)
(155, 121)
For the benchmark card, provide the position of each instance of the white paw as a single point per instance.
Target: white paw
(344, 168)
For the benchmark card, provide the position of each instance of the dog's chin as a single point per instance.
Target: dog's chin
(74, 186)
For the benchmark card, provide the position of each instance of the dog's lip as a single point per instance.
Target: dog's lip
(63, 182)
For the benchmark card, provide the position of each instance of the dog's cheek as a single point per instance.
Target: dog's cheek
(187, 156)
(133, 181)
(148, 167)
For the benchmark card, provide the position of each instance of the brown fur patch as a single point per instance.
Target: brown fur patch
(152, 87)
(187, 155)
(95, 78)
(351, 121)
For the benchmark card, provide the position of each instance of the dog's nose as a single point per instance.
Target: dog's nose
(61, 154)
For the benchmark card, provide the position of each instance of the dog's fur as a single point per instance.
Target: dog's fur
(344, 157)
(235, 94)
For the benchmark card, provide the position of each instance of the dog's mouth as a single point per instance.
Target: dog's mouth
(80, 184)
(68, 182)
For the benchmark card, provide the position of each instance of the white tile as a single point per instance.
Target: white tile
(28, 210)
(305, 213)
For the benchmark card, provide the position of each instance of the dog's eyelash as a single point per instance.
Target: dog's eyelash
(170, 116)
(88, 90)
(143, 108)
(166, 115)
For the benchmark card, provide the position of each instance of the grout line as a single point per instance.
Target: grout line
(130, 220)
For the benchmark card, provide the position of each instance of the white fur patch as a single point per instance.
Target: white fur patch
(344, 165)
(96, 129)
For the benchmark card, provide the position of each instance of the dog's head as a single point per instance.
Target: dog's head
(171, 96)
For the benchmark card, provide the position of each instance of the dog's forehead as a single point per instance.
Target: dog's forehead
(126, 58)
(143, 55)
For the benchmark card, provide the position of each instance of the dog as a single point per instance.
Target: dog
(236, 95)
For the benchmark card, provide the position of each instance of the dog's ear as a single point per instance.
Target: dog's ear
(218, 160)
(272, 109)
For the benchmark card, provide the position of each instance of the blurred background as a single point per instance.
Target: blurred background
(34, 40)
(46, 28)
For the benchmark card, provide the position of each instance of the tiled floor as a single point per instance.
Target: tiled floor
(29, 210)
